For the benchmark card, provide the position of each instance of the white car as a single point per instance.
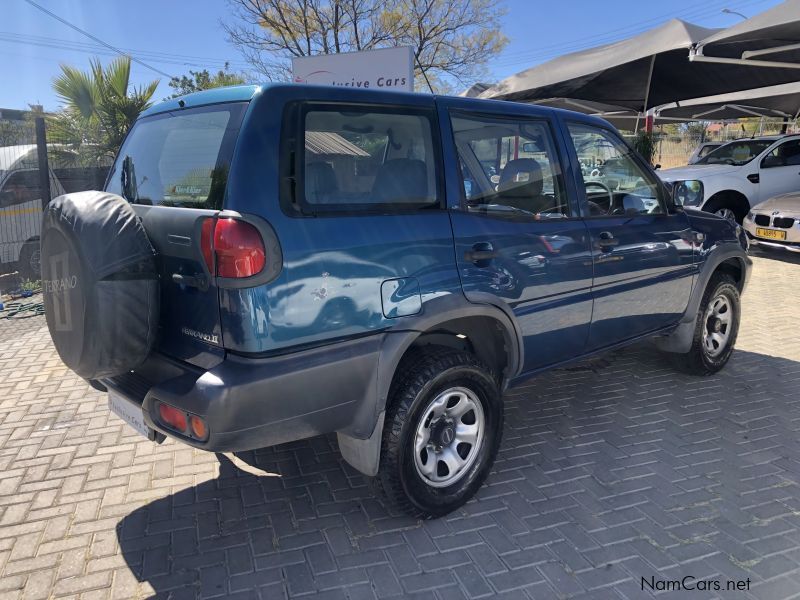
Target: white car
(775, 223)
(702, 150)
(21, 209)
(737, 176)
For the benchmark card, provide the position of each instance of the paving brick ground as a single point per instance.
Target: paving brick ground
(609, 472)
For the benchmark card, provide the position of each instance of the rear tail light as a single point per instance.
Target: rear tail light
(172, 416)
(232, 248)
(199, 429)
(188, 424)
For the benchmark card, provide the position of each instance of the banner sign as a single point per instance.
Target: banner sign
(384, 69)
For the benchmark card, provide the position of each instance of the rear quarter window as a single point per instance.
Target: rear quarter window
(179, 158)
(353, 158)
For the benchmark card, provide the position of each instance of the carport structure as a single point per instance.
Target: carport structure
(668, 65)
(777, 102)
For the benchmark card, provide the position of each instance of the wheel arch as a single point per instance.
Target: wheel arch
(729, 194)
(729, 258)
(489, 330)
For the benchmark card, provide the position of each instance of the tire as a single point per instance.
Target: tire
(706, 356)
(726, 206)
(100, 284)
(29, 264)
(430, 390)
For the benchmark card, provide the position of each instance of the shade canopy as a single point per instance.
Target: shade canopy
(654, 68)
(619, 116)
(768, 38)
(618, 74)
(475, 90)
(777, 101)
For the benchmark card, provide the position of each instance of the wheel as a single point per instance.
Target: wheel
(29, 265)
(444, 422)
(716, 329)
(728, 207)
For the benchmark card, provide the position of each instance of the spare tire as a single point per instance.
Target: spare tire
(100, 284)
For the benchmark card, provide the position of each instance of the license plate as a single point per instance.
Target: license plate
(130, 412)
(771, 234)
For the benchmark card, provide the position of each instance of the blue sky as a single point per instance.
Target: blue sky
(179, 36)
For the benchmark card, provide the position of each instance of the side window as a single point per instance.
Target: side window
(787, 153)
(509, 167)
(359, 158)
(615, 183)
(19, 188)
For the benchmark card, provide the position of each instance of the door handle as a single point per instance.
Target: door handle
(480, 254)
(606, 241)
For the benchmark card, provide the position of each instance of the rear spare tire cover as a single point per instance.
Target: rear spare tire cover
(100, 283)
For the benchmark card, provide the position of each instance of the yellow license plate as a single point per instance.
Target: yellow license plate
(771, 234)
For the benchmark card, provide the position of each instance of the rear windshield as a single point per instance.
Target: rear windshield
(178, 158)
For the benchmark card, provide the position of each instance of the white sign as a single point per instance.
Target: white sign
(384, 69)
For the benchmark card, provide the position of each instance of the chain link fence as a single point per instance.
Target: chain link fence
(673, 149)
(35, 167)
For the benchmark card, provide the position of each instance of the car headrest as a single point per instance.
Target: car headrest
(521, 178)
(401, 180)
(320, 182)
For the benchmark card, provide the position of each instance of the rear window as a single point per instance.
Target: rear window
(179, 158)
(358, 158)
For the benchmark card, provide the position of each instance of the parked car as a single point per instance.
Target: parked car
(21, 209)
(702, 150)
(775, 223)
(731, 179)
(242, 283)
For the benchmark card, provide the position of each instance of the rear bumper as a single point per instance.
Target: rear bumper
(251, 403)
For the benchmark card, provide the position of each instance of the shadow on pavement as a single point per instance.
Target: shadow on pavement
(609, 473)
(792, 258)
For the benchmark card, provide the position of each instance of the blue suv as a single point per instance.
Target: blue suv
(272, 263)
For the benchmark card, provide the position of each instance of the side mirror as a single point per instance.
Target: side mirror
(773, 161)
(657, 167)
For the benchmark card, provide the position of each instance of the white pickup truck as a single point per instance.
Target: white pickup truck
(735, 177)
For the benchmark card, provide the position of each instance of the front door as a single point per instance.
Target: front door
(779, 171)
(518, 235)
(642, 254)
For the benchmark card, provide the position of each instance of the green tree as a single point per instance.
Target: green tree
(452, 40)
(203, 80)
(100, 106)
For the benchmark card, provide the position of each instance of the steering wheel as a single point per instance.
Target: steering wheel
(606, 189)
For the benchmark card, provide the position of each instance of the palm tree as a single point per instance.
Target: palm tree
(99, 108)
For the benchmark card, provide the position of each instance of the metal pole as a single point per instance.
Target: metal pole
(44, 168)
(647, 95)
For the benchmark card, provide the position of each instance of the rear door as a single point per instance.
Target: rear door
(642, 254)
(518, 234)
(173, 168)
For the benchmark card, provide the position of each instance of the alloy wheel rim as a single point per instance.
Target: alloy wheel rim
(718, 322)
(449, 437)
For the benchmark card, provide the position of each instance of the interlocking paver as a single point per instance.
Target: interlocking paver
(610, 471)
